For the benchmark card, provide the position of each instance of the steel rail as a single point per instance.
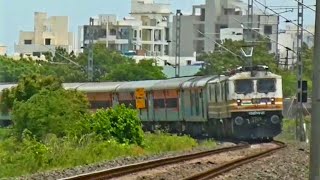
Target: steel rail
(214, 172)
(125, 170)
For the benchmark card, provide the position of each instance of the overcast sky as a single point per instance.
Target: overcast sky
(16, 15)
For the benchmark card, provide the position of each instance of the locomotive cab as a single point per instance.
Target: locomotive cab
(251, 106)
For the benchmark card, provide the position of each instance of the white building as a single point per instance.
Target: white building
(49, 33)
(288, 38)
(144, 34)
(3, 49)
(217, 20)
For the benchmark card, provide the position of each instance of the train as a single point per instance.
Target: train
(245, 103)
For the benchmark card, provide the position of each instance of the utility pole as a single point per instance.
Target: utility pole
(315, 116)
(250, 35)
(90, 49)
(299, 113)
(178, 41)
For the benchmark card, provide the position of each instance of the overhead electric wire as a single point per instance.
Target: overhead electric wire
(265, 36)
(62, 56)
(283, 16)
(220, 45)
(308, 7)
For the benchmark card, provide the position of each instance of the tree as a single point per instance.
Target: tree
(49, 111)
(26, 88)
(144, 70)
(104, 60)
(120, 122)
(221, 60)
(60, 55)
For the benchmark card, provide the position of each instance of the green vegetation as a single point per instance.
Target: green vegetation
(120, 122)
(289, 129)
(53, 129)
(30, 155)
(108, 65)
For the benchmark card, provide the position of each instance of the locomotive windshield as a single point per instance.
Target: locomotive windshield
(266, 85)
(244, 86)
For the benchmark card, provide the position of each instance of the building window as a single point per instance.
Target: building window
(269, 45)
(38, 54)
(47, 41)
(203, 14)
(188, 62)
(268, 29)
(27, 41)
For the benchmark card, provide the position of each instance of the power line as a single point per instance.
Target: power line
(308, 7)
(283, 17)
(54, 51)
(220, 45)
(265, 36)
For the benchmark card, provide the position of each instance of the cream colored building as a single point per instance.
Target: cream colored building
(3, 49)
(49, 33)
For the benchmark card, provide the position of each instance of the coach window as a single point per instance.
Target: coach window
(100, 104)
(128, 103)
(172, 103)
(197, 102)
(226, 90)
(222, 91)
(218, 95)
(158, 103)
(215, 93)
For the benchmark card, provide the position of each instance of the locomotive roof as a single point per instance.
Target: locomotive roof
(133, 85)
(198, 82)
(100, 86)
(6, 86)
(258, 75)
(171, 83)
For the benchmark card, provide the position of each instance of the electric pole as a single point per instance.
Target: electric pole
(315, 116)
(250, 36)
(178, 41)
(90, 49)
(299, 113)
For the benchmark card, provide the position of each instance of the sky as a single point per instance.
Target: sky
(17, 15)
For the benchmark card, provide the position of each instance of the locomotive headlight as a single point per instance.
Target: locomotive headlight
(239, 121)
(275, 119)
(273, 100)
(239, 102)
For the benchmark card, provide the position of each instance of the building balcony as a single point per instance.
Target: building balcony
(30, 48)
(156, 8)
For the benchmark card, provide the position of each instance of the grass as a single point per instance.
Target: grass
(31, 156)
(289, 129)
(4, 133)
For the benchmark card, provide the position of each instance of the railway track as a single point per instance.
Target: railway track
(216, 171)
(235, 163)
(125, 170)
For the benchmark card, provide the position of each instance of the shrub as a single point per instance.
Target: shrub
(157, 143)
(54, 112)
(120, 122)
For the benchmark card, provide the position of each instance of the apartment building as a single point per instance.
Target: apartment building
(3, 49)
(217, 20)
(145, 30)
(288, 38)
(48, 33)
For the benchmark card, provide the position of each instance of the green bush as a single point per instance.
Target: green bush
(47, 112)
(120, 122)
(157, 143)
(289, 129)
(30, 156)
